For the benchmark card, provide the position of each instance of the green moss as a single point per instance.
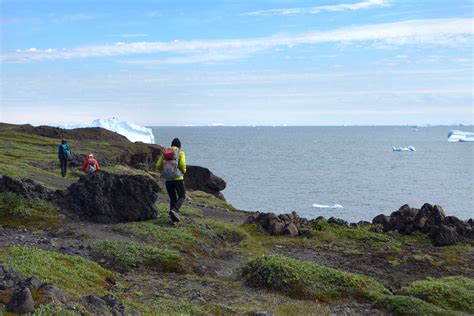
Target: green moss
(167, 307)
(177, 237)
(409, 306)
(17, 211)
(74, 274)
(308, 280)
(226, 231)
(201, 198)
(127, 255)
(455, 292)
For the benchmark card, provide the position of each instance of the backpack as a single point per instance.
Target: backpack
(91, 166)
(66, 151)
(171, 164)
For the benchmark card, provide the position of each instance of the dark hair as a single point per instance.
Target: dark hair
(63, 141)
(176, 142)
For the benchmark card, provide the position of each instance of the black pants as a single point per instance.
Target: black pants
(176, 193)
(63, 163)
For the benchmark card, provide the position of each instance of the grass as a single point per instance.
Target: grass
(176, 237)
(167, 307)
(409, 306)
(308, 280)
(17, 211)
(451, 293)
(201, 198)
(188, 211)
(128, 255)
(228, 232)
(73, 274)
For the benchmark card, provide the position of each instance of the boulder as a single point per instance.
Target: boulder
(382, 220)
(110, 198)
(276, 227)
(443, 235)
(291, 230)
(24, 187)
(200, 178)
(141, 155)
(21, 302)
(338, 221)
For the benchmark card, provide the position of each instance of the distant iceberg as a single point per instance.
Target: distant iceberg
(134, 132)
(328, 206)
(409, 148)
(460, 136)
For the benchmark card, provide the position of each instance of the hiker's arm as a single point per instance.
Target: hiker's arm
(84, 165)
(159, 164)
(182, 162)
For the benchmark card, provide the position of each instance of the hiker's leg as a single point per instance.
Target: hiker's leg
(170, 187)
(181, 194)
(65, 167)
(63, 170)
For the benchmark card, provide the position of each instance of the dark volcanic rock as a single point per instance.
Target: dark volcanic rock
(200, 178)
(443, 235)
(24, 187)
(141, 156)
(110, 198)
(441, 229)
(337, 221)
(284, 224)
(21, 302)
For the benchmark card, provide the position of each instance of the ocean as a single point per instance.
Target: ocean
(347, 172)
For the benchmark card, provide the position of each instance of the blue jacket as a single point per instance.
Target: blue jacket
(61, 153)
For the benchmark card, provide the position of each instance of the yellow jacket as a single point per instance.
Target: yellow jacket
(181, 163)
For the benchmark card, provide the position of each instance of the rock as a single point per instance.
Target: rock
(305, 233)
(291, 230)
(200, 178)
(116, 306)
(443, 235)
(32, 283)
(276, 227)
(141, 155)
(24, 187)
(263, 313)
(21, 302)
(338, 221)
(48, 293)
(250, 220)
(98, 305)
(320, 218)
(461, 227)
(362, 223)
(376, 229)
(111, 198)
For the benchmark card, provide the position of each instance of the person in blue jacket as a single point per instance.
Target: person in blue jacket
(64, 155)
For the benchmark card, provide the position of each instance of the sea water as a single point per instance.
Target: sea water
(346, 172)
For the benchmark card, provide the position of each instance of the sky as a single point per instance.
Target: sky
(259, 62)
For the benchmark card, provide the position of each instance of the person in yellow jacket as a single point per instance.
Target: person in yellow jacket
(172, 165)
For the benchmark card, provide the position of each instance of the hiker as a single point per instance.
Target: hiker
(64, 155)
(90, 165)
(172, 165)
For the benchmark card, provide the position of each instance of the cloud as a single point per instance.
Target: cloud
(134, 35)
(317, 9)
(74, 18)
(449, 32)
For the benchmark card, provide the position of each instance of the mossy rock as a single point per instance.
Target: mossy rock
(18, 211)
(127, 255)
(302, 279)
(73, 274)
(452, 293)
(409, 306)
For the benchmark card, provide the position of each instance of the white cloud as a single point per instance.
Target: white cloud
(317, 9)
(74, 18)
(134, 35)
(449, 32)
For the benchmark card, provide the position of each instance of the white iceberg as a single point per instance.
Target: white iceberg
(409, 148)
(460, 136)
(134, 132)
(328, 206)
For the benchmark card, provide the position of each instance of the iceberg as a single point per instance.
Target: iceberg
(409, 148)
(134, 132)
(335, 206)
(460, 136)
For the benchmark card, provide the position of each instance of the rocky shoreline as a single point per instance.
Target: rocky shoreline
(102, 245)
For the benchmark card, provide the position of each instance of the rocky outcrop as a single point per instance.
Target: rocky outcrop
(16, 292)
(284, 224)
(24, 187)
(141, 156)
(441, 229)
(110, 198)
(105, 305)
(200, 178)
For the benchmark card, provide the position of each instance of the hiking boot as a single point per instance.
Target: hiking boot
(174, 216)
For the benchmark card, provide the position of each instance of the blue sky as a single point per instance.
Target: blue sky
(353, 62)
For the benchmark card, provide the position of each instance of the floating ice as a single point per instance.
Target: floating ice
(460, 136)
(409, 148)
(134, 132)
(328, 206)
